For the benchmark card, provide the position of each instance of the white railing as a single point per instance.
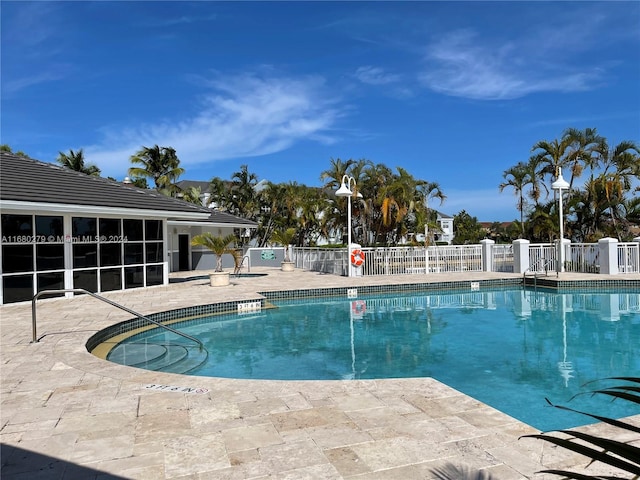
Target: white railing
(629, 257)
(542, 257)
(325, 260)
(582, 258)
(393, 260)
(579, 258)
(502, 257)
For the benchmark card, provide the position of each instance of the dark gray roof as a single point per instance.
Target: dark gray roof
(23, 179)
(224, 217)
(203, 185)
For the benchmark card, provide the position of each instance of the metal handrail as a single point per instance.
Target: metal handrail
(533, 268)
(106, 300)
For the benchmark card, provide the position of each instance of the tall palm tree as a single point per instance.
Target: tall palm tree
(620, 165)
(535, 178)
(75, 161)
(552, 154)
(159, 163)
(582, 150)
(243, 198)
(425, 191)
(333, 176)
(517, 177)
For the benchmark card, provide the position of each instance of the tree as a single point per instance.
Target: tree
(192, 195)
(582, 150)
(243, 198)
(553, 154)
(517, 177)
(6, 148)
(284, 238)
(218, 245)
(467, 229)
(620, 168)
(75, 161)
(159, 163)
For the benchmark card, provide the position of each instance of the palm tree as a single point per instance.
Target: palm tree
(334, 174)
(75, 161)
(535, 178)
(517, 177)
(192, 195)
(243, 197)
(218, 245)
(620, 165)
(161, 164)
(553, 154)
(425, 191)
(284, 238)
(582, 150)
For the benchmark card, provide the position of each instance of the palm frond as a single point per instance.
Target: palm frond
(618, 454)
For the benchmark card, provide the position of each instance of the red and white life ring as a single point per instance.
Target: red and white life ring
(357, 257)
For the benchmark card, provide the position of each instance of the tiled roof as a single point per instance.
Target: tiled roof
(224, 217)
(203, 185)
(23, 179)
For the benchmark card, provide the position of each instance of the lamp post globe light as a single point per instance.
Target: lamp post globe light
(559, 185)
(345, 191)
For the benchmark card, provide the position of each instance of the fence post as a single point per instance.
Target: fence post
(608, 252)
(487, 254)
(520, 255)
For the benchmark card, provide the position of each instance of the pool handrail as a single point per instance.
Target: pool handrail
(106, 300)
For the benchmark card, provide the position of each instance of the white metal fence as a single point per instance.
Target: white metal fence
(542, 258)
(582, 257)
(579, 257)
(502, 257)
(393, 260)
(629, 257)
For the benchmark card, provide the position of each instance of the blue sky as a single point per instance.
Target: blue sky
(453, 92)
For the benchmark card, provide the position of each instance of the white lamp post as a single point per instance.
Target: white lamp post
(345, 191)
(559, 185)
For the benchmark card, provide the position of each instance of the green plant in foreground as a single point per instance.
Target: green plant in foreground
(621, 455)
(218, 245)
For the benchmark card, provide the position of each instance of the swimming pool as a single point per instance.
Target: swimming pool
(509, 348)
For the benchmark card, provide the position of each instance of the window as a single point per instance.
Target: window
(153, 230)
(17, 258)
(17, 288)
(85, 255)
(14, 227)
(87, 279)
(84, 229)
(132, 230)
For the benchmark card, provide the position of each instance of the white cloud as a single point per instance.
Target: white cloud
(242, 116)
(375, 76)
(460, 64)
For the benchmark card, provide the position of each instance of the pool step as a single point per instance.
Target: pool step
(172, 358)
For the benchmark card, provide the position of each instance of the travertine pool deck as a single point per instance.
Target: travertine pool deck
(66, 414)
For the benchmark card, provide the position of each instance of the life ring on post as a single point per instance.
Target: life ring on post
(357, 257)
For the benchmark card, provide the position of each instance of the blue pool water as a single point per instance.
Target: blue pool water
(510, 349)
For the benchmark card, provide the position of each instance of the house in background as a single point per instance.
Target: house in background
(62, 229)
(445, 235)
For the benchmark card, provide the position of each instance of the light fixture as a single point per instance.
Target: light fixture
(558, 186)
(345, 191)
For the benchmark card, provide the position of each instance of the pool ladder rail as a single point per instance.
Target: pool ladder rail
(106, 300)
(544, 263)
